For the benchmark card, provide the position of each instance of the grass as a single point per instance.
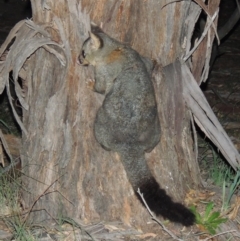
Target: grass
(221, 174)
(15, 221)
(5, 125)
(227, 196)
(9, 193)
(10, 210)
(217, 169)
(21, 231)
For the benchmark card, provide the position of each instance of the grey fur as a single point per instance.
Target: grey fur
(127, 122)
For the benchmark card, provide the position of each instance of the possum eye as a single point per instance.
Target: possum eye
(83, 54)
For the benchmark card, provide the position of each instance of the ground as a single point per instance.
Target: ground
(222, 90)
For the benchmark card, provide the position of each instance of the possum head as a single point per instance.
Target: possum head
(90, 50)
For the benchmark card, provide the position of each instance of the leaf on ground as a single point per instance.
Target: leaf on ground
(195, 196)
(233, 214)
(147, 235)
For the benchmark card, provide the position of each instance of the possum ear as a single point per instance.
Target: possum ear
(96, 41)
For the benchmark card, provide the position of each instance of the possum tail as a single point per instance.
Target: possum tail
(158, 201)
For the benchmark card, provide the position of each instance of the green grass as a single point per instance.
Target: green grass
(5, 125)
(221, 174)
(227, 196)
(21, 230)
(10, 210)
(9, 193)
(218, 170)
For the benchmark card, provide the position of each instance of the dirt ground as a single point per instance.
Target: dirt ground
(222, 89)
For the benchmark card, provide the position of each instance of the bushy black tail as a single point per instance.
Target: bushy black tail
(161, 204)
(156, 198)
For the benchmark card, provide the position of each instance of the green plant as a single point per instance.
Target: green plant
(232, 188)
(10, 210)
(21, 231)
(9, 193)
(5, 125)
(218, 170)
(210, 220)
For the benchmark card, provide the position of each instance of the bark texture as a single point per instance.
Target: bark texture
(60, 150)
(67, 173)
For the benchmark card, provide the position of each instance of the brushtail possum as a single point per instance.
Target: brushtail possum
(127, 122)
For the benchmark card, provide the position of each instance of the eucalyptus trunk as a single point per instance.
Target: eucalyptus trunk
(67, 173)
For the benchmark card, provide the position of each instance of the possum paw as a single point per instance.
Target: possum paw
(90, 84)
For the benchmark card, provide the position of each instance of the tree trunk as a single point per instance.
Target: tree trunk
(66, 170)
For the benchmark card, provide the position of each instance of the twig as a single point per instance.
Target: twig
(7, 168)
(43, 194)
(156, 219)
(230, 231)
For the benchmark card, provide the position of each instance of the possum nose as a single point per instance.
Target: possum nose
(82, 61)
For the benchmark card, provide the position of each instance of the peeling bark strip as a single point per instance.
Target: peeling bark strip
(203, 114)
(201, 56)
(25, 42)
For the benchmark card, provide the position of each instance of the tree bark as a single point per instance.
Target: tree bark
(67, 173)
